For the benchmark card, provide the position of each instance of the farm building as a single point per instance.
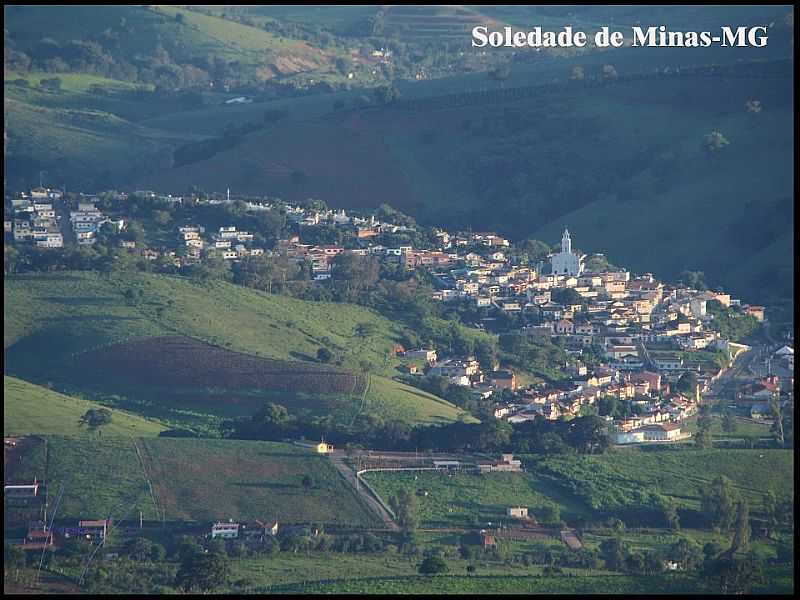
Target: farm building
(38, 537)
(94, 529)
(447, 464)
(488, 541)
(21, 491)
(324, 448)
(517, 512)
(503, 380)
(229, 530)
(629, 437)
(661, 432)
(260, 530)
(506, 463)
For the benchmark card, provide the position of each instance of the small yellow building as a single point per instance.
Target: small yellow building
(324, 448)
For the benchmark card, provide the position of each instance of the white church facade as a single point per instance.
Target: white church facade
(566, 262)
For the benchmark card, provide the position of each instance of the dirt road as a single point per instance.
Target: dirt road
(338, 459)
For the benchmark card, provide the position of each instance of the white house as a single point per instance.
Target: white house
(229, 530)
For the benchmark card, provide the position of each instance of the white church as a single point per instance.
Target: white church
(566, 262)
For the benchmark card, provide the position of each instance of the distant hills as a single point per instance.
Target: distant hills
(619, 159)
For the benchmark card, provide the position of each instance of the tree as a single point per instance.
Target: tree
(777, 420)
(96, 418)
(670, 510)
(500, 73)
(550, 513)
(714, 141)
(741, 529)
(753, 106)
(203, 571)
(433, 565)
(770, 504)
(13, 559)
(728, 422)
(686, 553)
(589, 435)
(405, 508)
(653, 563)
(687, 384)
(324, 355)
(613, 552)
(566, 296)
(52, 84)
(693, 279)
(139, 549)
(735, 576)
(702, 438)
(609, 72)
(10, 259)
(386, 94)
(718, 502)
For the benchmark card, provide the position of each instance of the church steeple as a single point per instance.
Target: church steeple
(566, 243)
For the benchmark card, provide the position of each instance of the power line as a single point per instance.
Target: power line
(50, 529)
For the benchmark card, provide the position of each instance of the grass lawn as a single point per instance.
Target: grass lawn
(100, 476)
(32, 409)
(192, 479)
(619, 483)
(214, 479)
(468, 500)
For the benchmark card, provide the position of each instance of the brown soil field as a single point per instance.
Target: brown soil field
(177, 361)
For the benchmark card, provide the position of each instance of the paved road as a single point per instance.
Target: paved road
(338, 459)
(725, 387)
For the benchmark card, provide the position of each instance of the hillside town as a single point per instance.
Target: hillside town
(646, 338)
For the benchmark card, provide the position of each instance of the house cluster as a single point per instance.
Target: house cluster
(35, 220)
(656, 409)
(257, 531)
(87, 220)
(226, 243)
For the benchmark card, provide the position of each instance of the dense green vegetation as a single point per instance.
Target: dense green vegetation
(623, 481)
(732, 324)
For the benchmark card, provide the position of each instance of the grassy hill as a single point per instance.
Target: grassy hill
(32, 409)
(56, 324)
(68, 132)
(192, 480)
(184, 33)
